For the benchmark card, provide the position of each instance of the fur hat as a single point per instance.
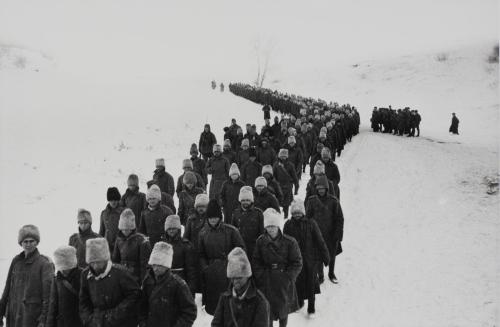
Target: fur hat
(201, 200)
(173, 221)
(97, 249)
(113, 194)
(283, 153)
(252, 152)
(261, 181)
(65, 258)
(319, 168)
(291, 140)
(298, 207)
(162, 255)
(246, 193)
(234, 170)
(187, 163)
(84, 215)
(245, 142)
(133, 178)
(160, 162)
(267, 169)
(127, 220)
(193, 149)
(189, 178)
(237, 264)
(153, 192)
(272, 218)
(28, 231)
(217, 148)
(321, 181)
(213, 209)
(227, 143)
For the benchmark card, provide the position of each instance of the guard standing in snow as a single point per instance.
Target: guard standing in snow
(63, 305)
(313, 250)
(25, 298)
(132, 249)
(85, 232)
(454, 124)
(109, 294)
(134, 199)
(110, 217)
(242, 304)
(218, 167)
(153, 217)
(165, 298)
(277, 263)
(229, 193)
(216, 240)
(163, 179)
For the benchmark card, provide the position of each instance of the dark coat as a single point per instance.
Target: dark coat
(214, 245)
(132, 252)
(276, 265)
(186, 202)
(229, 195)
(194, 225)
(63, 306)
(109, 224)
(164, 180)
(454, 125)
(250, 171)
(332, 171)
(266, 156)
(25, 299)
(265, 200)
(79, 242)
(166, 302)
(242, 157)
(296, 156)
(199, 167)
(250, 311)
(184, 261)
(229, 155)
(136, 201)
(109, 301)
(206, 143)
(200, 183)
(313, 250)
(274, 187)
(250, 224)
(327, 213)
(218, 167)
(167, 200)
(153, 222)
(286, 176)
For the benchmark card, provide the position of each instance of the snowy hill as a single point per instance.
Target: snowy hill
(421, 235)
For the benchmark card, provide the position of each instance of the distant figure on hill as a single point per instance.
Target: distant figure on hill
(222, 87)
(454, 124)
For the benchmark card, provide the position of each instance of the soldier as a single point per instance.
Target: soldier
(263, 199)
(266, 154)
(277, 263)
(454, 124)
(134, 199)
(218, 167)
(110, 217)
(165, 298)
(184, 260)
(331, 169)
(229, 193)
(228, 152)
(295, 155)
(325, 209)
(285, 174)
(248, 219)
(166, 199)
(188, 195)
(215, 241)
(313, 250)
(132, 249)
(108, 294)
(315, 157)
(243, 154)
(206, 143)
(199, 165)
(319, 170)
(187, 166)
(29, 279)
(153, 217)
(64, 301)
(85, 233)
(163, 179)
(272, 185)
(242, 304)
(251, 169)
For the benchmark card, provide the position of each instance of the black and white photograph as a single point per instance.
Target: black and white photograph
(249, 163)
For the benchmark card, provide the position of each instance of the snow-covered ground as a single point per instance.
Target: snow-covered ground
(421, 245)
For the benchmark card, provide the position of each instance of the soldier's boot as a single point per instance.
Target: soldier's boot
(283, 322)
(311, 308)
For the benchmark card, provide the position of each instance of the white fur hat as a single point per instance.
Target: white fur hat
(162, 255)
(127, 220)
(65, 258)
(234, 170)
(227, 142)
(272, 218)
(319, 168)
(298, 207)
(154, 192)
(97, 249)
(201, 200)
(283, 153)
(187, 163)
(291, 139)
(267, 169)
(160, 162)
(237, 264)
(245, 142)
(246, 193)
(173, 221)
(260, 181)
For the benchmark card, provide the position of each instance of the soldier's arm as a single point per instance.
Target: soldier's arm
(145, 252)
(320, 243)
(102, 227)
(218, 320)
(187, 307)
(47, 273)
(53, 306)
(294, 260)
(131, 295)
(86, 308)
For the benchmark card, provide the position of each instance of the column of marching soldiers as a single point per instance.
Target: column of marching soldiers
(140, 270)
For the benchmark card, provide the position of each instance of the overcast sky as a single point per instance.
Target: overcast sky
(207, 38)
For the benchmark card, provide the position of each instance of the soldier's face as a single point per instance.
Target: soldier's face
(201, 210)
(132, 185)
(29, 245)
(272, 231)
(239, 282)
(244, 147)
(234, 176)
(98, 266)
(260, 188)
(189, 186)
(159, 270)
(246, 203)
(321, 190)
(126, 232)
(213, 221)
(113, 204)
(83, 225)
(172, 232)
(153, 202)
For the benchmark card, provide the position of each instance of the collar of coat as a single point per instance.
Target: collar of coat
(249, 293)
(31, 257)
(85, 233)
(103, 275)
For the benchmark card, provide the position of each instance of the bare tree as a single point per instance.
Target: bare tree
(263, 55)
